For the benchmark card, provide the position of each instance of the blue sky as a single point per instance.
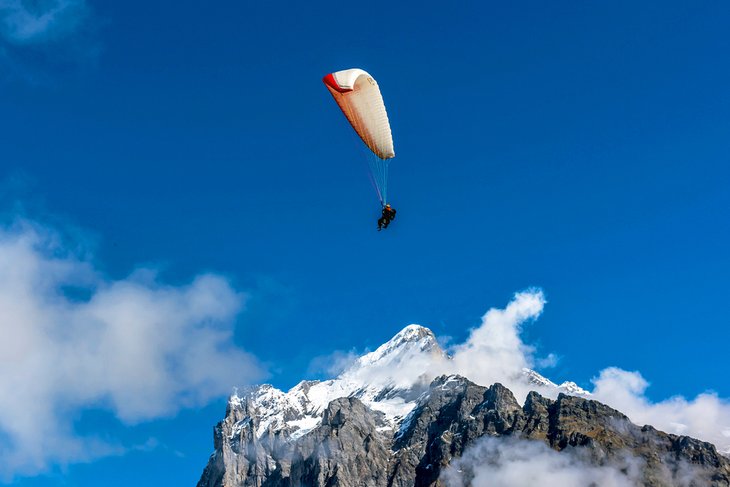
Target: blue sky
(581, 148)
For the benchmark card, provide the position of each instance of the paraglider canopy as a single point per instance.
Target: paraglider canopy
(358, 96)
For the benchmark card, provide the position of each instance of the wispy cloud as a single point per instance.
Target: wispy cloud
(515, 462)
(42, 39)
(508, 462)
(706, 417)
(74, 339)
(332, 364)
(24, 22)
(494, 351)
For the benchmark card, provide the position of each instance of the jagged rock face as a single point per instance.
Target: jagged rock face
(457, 412)
(386, 422)
(346, 449)
(349, 448)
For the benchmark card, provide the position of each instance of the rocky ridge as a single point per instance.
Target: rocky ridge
(370, 428)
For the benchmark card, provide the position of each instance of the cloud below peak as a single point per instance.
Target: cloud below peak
(516, 463)
(706, 417)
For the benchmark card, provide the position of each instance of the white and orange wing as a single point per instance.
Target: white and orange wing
(358, 95)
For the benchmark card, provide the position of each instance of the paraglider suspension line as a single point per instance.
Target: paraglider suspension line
(379, 177)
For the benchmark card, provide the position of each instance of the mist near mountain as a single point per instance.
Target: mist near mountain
(409, 413)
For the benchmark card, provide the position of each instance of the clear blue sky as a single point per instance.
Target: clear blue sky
(580, 147)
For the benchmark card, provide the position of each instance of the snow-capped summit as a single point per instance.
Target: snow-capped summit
(412, 338)
(566, 387)
(388, 380)
(350, 444)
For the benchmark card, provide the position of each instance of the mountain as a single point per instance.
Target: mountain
(393, 419)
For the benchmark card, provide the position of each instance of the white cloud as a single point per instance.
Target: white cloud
(706, 417)
(547, 362)
(494, 352)
(508, 462)
(24, 22)
(73, 339)
(333, 364)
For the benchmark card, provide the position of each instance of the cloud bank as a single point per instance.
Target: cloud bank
(508, 462)
(75, 340)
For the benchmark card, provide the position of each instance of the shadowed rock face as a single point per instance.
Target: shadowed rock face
(353, 447)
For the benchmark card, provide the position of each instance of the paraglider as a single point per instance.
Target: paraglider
(388, 216)
(358, 96)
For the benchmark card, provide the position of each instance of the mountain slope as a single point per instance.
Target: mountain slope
(387, 380)
(386, 421)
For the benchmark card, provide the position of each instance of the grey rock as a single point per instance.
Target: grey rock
(351, 447)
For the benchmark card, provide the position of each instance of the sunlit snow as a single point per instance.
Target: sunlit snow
(388, 380)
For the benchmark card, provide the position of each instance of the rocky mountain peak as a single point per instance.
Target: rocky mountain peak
(350, 447)
(394, 419)
(412, 333)
(411, 340)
